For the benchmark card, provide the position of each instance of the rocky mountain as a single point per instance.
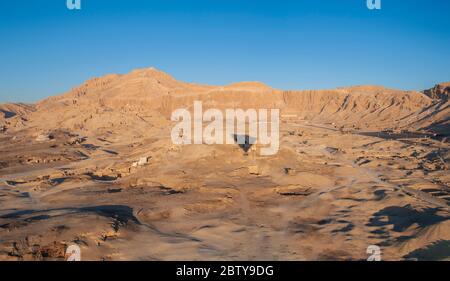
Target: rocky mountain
(440, 91)
(131, 100)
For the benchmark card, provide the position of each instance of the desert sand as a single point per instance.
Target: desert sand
(96, 167)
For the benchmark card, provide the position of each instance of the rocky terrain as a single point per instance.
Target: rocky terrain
(96, 167)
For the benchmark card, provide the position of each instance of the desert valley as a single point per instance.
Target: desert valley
(96, 167)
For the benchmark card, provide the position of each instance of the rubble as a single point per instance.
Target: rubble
(253, 170)
(44, 137)
(141, 162)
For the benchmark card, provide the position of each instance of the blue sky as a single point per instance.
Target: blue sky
(46, 49)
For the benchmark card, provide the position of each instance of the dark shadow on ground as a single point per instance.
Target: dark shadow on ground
(101, 178)
(437, 251)
(404, 135)
(121, 213)
(403, 217)
(8, 114)
(245, 142)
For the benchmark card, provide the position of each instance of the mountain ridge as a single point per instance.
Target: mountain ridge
(149, 91)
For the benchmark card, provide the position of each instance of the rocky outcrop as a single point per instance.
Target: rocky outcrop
(13, 114)
(440, 91)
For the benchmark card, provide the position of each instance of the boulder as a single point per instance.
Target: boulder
(43, 137)
(143, 161)
(253, 170)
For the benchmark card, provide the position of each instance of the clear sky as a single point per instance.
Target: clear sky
(46, 49)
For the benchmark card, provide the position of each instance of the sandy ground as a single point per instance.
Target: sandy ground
(328, 194)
